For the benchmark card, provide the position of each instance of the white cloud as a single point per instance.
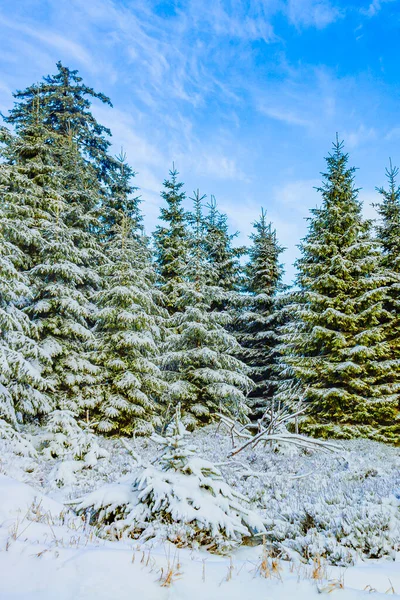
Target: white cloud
(356, 137)
(375, 6)
(312, 13)
(306, 96)
(157, 50)
(212, 163)
(52, 39)
(285, 115)
(249, 21)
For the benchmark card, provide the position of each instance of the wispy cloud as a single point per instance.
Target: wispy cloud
(306, 96)
(244, 96)
(51, 39)
(312, 13)
(285, 116)
(211, 163)
(375, 7)
(362, 135)
(242, 20)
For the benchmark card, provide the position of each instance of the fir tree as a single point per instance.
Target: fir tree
(171, 240)
(74, 443)
(64, 102)
(223, 256)
(337, 347)
(22, 384)
(389, 236)
(258, 322)
(128, 318)
(389, 228)
(121, 202)
(199, 358)
(181, 498)
(58, 255)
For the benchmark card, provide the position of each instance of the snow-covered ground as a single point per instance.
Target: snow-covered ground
(342, 507)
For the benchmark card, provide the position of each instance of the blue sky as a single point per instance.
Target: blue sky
(245, 96)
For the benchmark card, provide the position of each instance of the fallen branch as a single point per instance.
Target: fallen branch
(289, 438)
(298, 440)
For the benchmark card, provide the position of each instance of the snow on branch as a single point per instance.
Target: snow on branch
(264, 435)
(179, 497)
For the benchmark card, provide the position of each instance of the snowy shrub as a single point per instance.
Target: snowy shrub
(338, 506)
(76, 446)
(338, 515)
(16, 442)
(181, 497)
(339, 532)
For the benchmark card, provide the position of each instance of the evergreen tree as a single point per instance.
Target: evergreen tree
(128, 318)
(223, 256)
(180, 497)
(389, 236)
(62, 268)
(22, 385)
(258, 322)
(204, 375)
(337, 348)
(389, 211)
(58, 255)
(73, 443)
(171, 240)
(121, 202)
(64, 102)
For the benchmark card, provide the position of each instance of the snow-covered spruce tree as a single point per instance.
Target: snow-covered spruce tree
(389, 228)
(223, 257)
(198, 359)
(171, 241)
(130, 383)
(258, 321)
(73, 443)
(58, 251)
(23, 386)
(336, 346)
(64, 279)
(64, 102)
(182, 498)
(388, 234)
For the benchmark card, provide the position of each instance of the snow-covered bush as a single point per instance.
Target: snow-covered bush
(76, 446)
(15, 441)
(337, 506)
(181, 497)
(339, 532)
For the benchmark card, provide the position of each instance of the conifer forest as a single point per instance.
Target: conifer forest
(167, 399)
